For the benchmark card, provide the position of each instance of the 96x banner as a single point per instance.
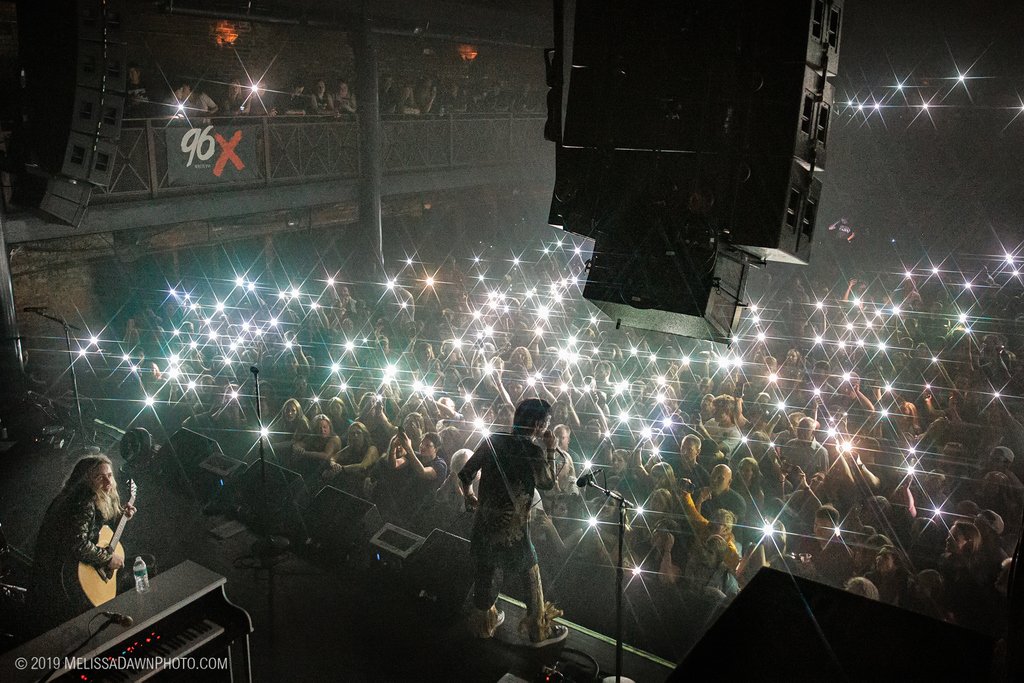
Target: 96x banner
(211, 154)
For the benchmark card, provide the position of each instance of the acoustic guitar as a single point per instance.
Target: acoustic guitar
(100, 583)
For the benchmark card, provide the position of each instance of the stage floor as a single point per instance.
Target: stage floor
(312, 622)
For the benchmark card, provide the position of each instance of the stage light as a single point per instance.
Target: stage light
(417, 385)
(281, 294)
(686, 360)
(639, 511)
(239, 282)
(389, 373)
(817, 391)
(961, 77)
(967, 285)
(755, 318)
(773, 378)
(996, 394)
(667, 421)
(233, 346)
(592, 521)
(633, 350)
(636, 570)
(896, 310)
(251, 286)
(174, 293)
(404, 305)
(296, 293)
(82, 352)
(654, 358)
(1015, 272)
(860, 343)
(888, 388)
(191, 385)
(831, 432)
(908, 274)
(314, 305)
(515, 261)
(150, 401)
(884, 412)
(837, 531)
(924, 106)
(935, 270)
(753, 308)
(817, 339)
(429, 282)
(767, 529)
(881, 346)
(856, 301)
(911, 470)
(227, 361)
(781, 405)
(962, 318)
(645, 433)
(624, 416)
(819, 305)
(1009, 259)
(194, 306)
(212, 335)
(335, 368)
(761, 336)
(408, 261)
(543, 312)
(288, 344)
(193, 344)
(126, 358)
(593, 320)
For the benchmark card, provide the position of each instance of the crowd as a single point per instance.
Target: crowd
(323, 97)
(860, 434)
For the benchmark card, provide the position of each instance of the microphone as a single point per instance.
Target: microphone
(584, 479)
(35, 309)
(254, 370)
(122, 620)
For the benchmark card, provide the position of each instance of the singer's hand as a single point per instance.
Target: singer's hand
(129, 511)
(472, 503)
(549, 440)
(116, 562)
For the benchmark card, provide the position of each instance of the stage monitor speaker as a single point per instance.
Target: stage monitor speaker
(341, 523)
(439, 574)
(792, 629)
(280, 508)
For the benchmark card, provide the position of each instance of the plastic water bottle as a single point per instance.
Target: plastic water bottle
(141, 575)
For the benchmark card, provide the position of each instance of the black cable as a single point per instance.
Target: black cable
(78, 647)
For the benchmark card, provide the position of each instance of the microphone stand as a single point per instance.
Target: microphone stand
(267, 546)
(71, 363)
(622, 504)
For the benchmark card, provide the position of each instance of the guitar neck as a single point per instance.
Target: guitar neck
(116, 538)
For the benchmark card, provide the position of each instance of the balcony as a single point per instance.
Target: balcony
(300, 150)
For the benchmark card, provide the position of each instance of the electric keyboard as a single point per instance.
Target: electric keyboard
(183, 622)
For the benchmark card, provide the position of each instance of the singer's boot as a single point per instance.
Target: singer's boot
(483, 623)
(539, 623)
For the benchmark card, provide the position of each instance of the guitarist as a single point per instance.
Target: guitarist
(68, 535)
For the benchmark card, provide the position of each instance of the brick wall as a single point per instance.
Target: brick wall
(172, 46)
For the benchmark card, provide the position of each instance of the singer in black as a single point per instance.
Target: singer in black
(512, 466)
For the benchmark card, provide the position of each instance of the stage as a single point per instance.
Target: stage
(312, 619)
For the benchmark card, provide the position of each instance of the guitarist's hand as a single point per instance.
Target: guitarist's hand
(129, 511)
(116, 562)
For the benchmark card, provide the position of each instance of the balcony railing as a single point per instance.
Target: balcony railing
(291, 150)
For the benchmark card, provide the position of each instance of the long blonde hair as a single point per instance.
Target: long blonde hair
(109, 504)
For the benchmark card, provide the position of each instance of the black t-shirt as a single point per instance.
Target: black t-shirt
(507, 484)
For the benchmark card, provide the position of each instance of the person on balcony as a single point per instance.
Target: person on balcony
(323, 101)
(296, 102)
(345, 100)
(407, 103)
